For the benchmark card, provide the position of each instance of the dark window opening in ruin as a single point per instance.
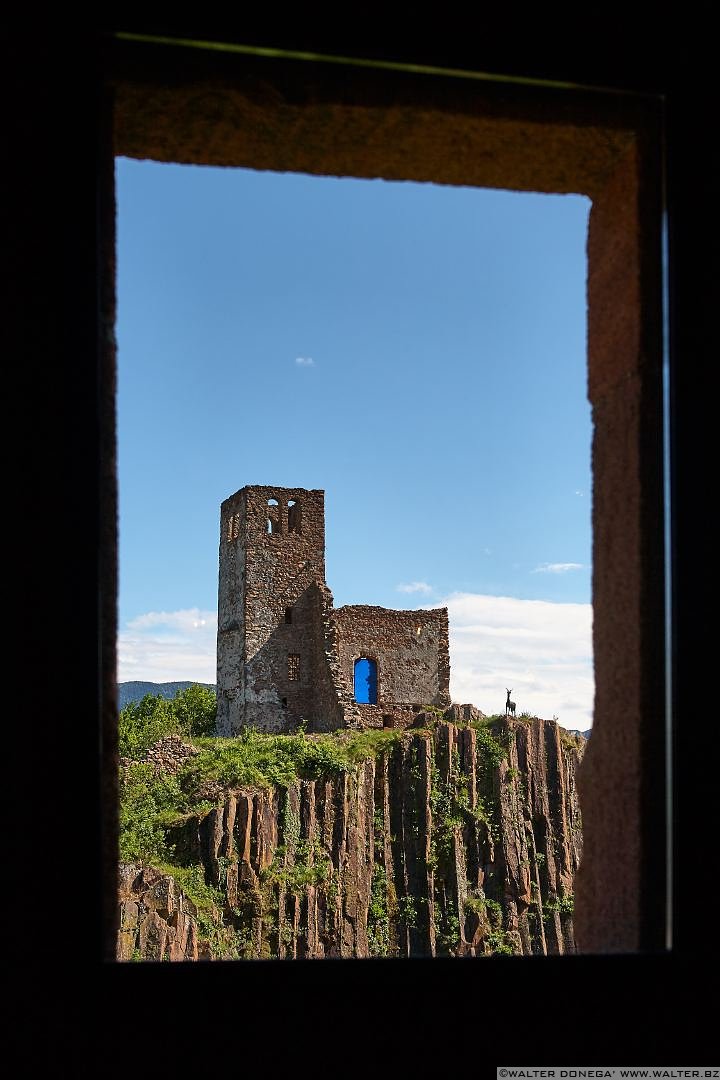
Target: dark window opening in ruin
(366, 681)
(284, 703)
(293, 667)
(288, 614)
(293, 516)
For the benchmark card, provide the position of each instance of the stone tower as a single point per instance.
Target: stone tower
(272, 574)
(286, 655)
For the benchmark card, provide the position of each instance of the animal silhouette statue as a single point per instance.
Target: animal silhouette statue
(509, 705)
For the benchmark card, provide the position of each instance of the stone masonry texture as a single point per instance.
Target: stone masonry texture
(285, 655)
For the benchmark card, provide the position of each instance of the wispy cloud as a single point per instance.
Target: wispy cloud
(415, 587)
(557, 567)
(304, 361)
(161, 646)
(542, 650)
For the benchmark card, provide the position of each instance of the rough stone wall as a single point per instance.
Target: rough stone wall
(334, 706)
(284, 656)
(411, 651)
(265, 609)
(442, 846)
(231, 605)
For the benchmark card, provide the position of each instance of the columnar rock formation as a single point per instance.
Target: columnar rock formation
(450, 842)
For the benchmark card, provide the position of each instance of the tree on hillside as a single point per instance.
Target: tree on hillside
(190, 713)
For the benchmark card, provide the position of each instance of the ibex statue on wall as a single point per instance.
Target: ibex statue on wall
(509, 705)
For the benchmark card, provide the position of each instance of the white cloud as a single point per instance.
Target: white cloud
(541, 650)
(557, 567)
(304, 361)
(415, 587)
(163, 646)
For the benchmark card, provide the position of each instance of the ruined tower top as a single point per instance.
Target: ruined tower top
(255, 513)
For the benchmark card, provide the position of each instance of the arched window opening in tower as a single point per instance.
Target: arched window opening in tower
(293, 516)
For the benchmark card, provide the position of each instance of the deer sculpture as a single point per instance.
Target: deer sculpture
(509, 705)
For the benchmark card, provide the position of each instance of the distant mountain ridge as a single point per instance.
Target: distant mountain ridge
(136, 691)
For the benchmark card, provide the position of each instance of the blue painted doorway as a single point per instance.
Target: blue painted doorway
(366, 681)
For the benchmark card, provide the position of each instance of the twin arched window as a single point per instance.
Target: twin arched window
(273, 524)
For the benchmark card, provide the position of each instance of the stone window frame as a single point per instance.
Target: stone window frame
(294, 517)
(615, 149)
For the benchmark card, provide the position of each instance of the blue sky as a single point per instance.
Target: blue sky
(418, 352)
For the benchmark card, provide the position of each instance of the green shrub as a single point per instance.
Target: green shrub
(195, 709)
(148, 801)
(190, 713)
(142, 723)
(563, 904)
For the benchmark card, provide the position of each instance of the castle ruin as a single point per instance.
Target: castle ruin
(285, 655)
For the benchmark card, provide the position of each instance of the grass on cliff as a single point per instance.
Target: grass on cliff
(152, 800)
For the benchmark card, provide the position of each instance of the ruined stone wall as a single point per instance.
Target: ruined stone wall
(334, 705)
(231, 605)
(410, 648)
(264, 669)
(285, 657)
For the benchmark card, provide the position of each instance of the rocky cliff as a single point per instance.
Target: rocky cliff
(454, 840)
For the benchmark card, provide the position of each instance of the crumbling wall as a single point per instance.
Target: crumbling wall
(409, 647)
(231, 605)
(285, 657)
(334, 706)
(271, 552)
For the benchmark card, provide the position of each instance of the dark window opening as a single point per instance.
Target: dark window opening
(366, 681)
(293, 516)
(284, 703)
(288, 614)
